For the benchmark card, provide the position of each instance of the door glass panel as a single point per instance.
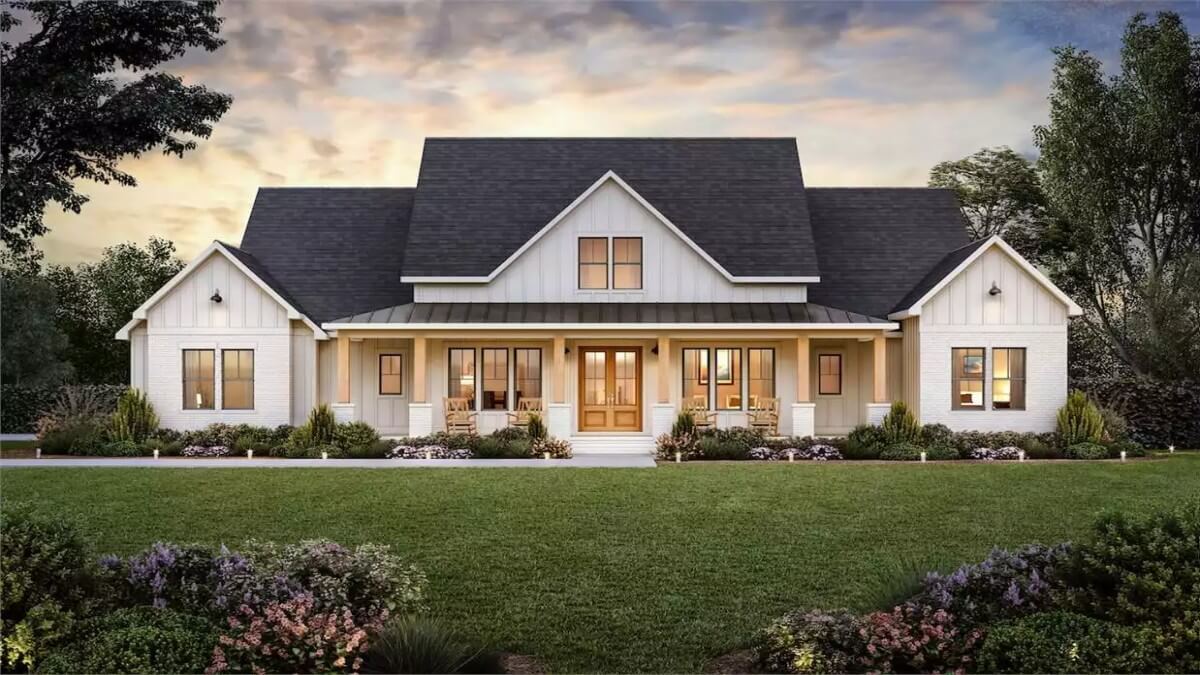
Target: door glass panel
(626, 378)
(594, 378)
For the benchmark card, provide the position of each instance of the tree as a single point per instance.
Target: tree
(66, 117)
(1000, 193)
(96, 299)
(1121, 165)
(34, 350)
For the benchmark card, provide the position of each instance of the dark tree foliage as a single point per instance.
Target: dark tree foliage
(34, 349)
(81, 93)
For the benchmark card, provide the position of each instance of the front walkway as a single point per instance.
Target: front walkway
(612, 461)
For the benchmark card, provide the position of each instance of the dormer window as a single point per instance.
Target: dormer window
(624, 268)
(593, 263)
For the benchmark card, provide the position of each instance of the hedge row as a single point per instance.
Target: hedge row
(1159, 413)
(20, 407)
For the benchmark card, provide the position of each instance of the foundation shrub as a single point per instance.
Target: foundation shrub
(134, 419)
(509, 434)
(866, 441)
(902, 452)
(668, 444)
(120, 449)
(354, 435)
(136, 640)
(937, 435)
(537, 428)
(1130, 447)
(1079, 420)
(1061, 642)
(557, 447)
(685, 425)
(713, 447)
(503, 447)
(377, 450)
(80, 435)
(1086, 451)
(1036, 448)
(900, 425)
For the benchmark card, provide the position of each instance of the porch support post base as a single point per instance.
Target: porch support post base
(343, 412)
(558, 420)
(876, 412)
(662, 418)
(804, 419)
(420, 419)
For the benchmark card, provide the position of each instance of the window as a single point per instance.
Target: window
(627, 263)
(495, 379)
(761, 378)
(829, 374)
(695, 376)
(237, 379)
(593, 263)
(462, 375)
(391, 375)
(527, 376)
(729, 379)
(968, 370)
(1008, 379)
(198, 376)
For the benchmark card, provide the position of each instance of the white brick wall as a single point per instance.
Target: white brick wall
(1045, 366)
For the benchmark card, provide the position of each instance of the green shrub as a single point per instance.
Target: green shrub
(1079, 421)
(354, 435)
(1129, 447)
(313, 452)
(1158, 413)
(713, 447)
(322, 424)
(811, 642)
(73, 436)
(557, 447)
(47, 581)
(134, 419)
(214, 435)
(1087, 451)
(251, 441)
(502, 447)
(508, 434)
(537, 428)
(120, 449)
(1115, 426)
(865, 441)
(902, 452)
(416, 644)
(1144, 571)
(937, 435)
(941, 454)
(1036, 448)
(137, 640)
(900, 425)
(684, 424)
(1061, 642)
(376, 450)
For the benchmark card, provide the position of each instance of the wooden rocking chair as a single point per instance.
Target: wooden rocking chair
(526, 408)
(764, 415)
(460, 419)
(702, 417)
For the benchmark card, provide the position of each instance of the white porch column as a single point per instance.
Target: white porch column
(662, 415)
(804, 411)
(558, 412)
(878, 408)
(420, 411)
(343, 409)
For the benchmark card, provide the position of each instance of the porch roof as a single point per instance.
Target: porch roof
(731, 315)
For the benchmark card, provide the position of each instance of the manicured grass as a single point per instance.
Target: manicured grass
(618, 569)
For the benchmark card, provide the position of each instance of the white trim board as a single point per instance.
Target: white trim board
(609, 175)
(418, 327)
(139, 314)
(994, 241)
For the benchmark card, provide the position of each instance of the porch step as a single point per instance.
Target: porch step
(612, 444)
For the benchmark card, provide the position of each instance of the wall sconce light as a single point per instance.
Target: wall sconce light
(216, 296)
(654, 350)
(994, 290)
(566, 350)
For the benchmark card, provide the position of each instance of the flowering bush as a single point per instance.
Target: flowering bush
(811, 642)
(915, 638)
(1007, 584)
(205, 451)
(668, 445)
(164, 575)
(818, 452)
(990, 455)
(558, 448)
(434, 451)
(293, 636)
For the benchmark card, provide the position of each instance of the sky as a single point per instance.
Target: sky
(343, 93)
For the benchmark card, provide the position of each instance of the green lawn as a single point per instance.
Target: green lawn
(618, 569)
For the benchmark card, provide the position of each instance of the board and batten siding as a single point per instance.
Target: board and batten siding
(1024, 314)
(246, 318)
(671, 270)
(137, 358)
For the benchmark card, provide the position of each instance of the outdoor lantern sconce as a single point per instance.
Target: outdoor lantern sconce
(216, 296)
(994, 290)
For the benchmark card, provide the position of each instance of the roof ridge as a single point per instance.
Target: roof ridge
(610, 138)
(336, 187)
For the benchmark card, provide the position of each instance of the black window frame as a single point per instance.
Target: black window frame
(841, 374)
(640, 261)
(579, 263)
(388, 355)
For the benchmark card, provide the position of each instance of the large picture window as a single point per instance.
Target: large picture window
(968, 374)
(237, 379)
(593, 263)
(729, 378)
(829, 374)
(761, 378)
(198, 378)
(462, 375)
(695, 376)
(527, 374)
(627, 263)
(495, 379)
(391, 374)
(1008, 378)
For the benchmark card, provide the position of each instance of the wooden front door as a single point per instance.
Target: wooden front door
(610, 389)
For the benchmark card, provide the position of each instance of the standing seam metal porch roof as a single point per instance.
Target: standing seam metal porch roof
(682, 313)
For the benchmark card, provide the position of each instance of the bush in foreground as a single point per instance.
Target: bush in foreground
(811, 642)
(136, 640)
(414, 644)
(1061, 642)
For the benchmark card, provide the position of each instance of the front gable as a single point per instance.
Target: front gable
(674, 268)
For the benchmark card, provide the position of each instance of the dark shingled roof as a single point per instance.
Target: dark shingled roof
(261, 272)
(943, 267)
(877, 244)
(740, 199)
(608, 312)
(335, 251)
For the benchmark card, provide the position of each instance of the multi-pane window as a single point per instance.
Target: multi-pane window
(462, 375)
(829, 374)
(527, 374)
(237, 379)
(761, 376)
(391, 380)
(968, 374)
(1008, 378)
(495, 379)
(729, 378)
(593, 263)
(627, 263)
(198, 377)
(695, 376)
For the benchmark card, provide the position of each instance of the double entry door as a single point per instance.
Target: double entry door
(610, 389)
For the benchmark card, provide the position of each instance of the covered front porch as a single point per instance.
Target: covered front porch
(611, 390)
